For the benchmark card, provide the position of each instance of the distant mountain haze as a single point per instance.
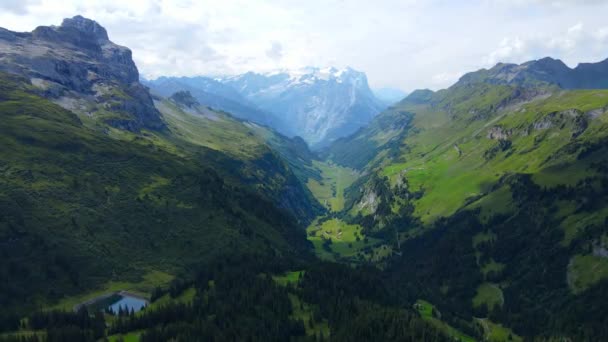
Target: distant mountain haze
(211, 93)
(319, 105)
(389, 95)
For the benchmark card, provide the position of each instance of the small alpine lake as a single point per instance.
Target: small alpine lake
(128, 302)
(115, 302)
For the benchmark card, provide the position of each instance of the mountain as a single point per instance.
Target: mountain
(211, 93)
(492, 194)
(544, 71)
(102, 182)
(389, 95)
(473, 213)
(319, 105)
(254, 155)
(80, 208)
(197, 211)
(79, 68)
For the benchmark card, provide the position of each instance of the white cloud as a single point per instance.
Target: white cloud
(275, 52)
(573, 45)
(407, 44)
(18, 7)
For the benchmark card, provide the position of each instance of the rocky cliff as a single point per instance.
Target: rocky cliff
(79, 68)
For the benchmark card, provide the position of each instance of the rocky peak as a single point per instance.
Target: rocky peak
(184, 98)
(317, 104)
(545, 71)
(79, 68)
(549, 63)
(86, 26)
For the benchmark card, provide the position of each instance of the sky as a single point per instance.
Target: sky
(404, 44)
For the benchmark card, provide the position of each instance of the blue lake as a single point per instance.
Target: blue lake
(129, 302)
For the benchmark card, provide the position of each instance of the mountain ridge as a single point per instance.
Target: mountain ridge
(543, 71)
(77, 66)
(483, 185)
(317, 104)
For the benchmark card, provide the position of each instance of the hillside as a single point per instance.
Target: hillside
(99, 185)
(491, 186)
(271, 164)
(80, 208)
(86, 213)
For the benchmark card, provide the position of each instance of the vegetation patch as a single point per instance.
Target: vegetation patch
(494, 332)
(429, 313)
(585, 271)
(289, 278)
(488, 295)
(329, 191)
(334, 239)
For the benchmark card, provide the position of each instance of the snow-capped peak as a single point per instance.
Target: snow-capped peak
(318, 104)
(309, 73)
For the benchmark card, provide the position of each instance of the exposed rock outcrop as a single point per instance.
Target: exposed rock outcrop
(499, 133)
(77, 62)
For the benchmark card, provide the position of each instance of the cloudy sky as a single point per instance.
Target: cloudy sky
(406, 44)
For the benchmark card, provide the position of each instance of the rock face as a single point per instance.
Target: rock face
(319, 105)
(543, 71)
(498, 133)
(184, 98)
(78, 67)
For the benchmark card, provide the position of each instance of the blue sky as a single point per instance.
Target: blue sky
(406, 44)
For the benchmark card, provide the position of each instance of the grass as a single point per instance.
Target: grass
(304, 312)
(212, 129)
(488, 294)
(574, 223)
(288, 278)
(130, 337)
(329, 191)
(483, 237)
(347, 240)
(492, 266)
(425, 309)
(495, 203)
(497, 332)
(450, 179)
(585, 271)
(185, 297)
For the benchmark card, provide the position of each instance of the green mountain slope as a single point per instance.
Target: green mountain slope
(497, 192)
(271, 164)
(79, 208)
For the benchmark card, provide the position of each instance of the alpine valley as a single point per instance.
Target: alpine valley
(473, 213)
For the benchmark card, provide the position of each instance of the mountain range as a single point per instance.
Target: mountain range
(472, 213)
(318, 105)
(544, 71)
